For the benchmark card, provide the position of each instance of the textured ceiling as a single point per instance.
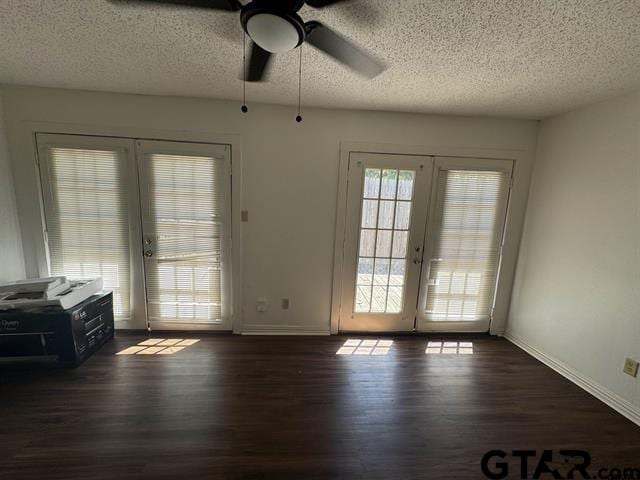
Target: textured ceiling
(519, 58)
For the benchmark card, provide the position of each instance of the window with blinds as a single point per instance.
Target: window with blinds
(88, 225)
(186, 227)
(469, 215)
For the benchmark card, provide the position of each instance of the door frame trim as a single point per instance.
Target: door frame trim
(513, 229)
(27, 136)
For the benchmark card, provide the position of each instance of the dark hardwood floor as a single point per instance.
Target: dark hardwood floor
(231, 407)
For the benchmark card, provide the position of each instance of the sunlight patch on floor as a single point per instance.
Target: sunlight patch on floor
(356, 346)
(159, 346)
(449, 348)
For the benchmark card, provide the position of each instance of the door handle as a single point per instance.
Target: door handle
(148, 253)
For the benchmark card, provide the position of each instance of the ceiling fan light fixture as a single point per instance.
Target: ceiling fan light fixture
(274, 27)
(274, 33)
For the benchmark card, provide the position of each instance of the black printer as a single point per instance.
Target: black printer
(73, 335)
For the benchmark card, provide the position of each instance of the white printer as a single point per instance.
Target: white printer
(50, 291)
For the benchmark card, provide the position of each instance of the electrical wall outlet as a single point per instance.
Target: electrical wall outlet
(261, 304)
(630, 367)
(244, 215)
(285, 303)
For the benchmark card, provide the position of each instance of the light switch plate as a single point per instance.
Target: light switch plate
(630, 367)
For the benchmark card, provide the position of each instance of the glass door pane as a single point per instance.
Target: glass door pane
(384, 233)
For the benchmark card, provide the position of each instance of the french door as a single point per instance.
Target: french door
(186, 233)
(386, 211)
(463, 244)
(422, 242)
(151, 218)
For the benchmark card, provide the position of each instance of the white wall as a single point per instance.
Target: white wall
(11, 259)
(576, 296)
(290, 178)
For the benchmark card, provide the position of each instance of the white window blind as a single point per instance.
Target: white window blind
(187, 206)
(88, 233)
(469, 215)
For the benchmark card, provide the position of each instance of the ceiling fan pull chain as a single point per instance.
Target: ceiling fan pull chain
(244, 73)
(299, 116)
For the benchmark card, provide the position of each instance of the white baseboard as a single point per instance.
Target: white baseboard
(602, 393)
(283, 330)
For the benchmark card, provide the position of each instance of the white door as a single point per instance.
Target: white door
(92, 216)
(386, 214)
(463, 244)
(186, 233)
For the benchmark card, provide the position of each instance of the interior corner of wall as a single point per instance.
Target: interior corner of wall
(11, 251)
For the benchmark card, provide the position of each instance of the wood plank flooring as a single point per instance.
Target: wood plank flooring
(240, 408)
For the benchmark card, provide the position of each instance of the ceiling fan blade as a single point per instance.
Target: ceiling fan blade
(229, 5)
(345, 52)
(258, 64)
(323, 3)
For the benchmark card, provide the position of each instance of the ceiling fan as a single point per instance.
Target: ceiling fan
(274, 26)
